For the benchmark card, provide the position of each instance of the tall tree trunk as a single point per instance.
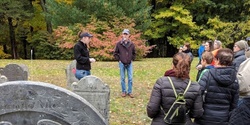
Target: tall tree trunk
(48, 23)
(24, 41)
(12, 39)
(5, 48)
(153, 3)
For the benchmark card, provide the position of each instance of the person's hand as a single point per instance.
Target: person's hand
(199, 67)
(92, 60)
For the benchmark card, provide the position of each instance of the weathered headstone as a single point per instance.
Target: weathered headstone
(94, 91)
(38, 103)
(70, 73)
(15, 72)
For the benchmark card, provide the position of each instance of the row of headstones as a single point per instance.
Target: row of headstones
(28, 102)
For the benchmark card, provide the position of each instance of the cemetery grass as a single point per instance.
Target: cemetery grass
(123, 110)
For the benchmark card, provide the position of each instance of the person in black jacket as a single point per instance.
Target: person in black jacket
(81, 55)
(219, 88)
(162, 96)
(125, 53)
(241, 115)
(187, 49)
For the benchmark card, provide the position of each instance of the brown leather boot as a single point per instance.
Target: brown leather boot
(131, 95)
(123, 94)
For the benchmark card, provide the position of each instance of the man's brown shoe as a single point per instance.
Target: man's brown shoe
(131, 95)
(123, 94)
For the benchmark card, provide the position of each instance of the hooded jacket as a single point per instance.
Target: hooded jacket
(221, 97)
(162, 96)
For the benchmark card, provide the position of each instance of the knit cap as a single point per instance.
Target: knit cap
(242, 44)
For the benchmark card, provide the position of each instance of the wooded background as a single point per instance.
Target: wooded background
(47, 29)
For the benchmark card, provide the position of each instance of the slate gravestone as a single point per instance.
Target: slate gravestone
(15, 72)
(70, 73)
(94, 91)
(38, 103)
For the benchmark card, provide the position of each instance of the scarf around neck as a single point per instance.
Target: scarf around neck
(171, 73)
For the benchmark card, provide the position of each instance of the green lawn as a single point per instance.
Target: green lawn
(127, 111)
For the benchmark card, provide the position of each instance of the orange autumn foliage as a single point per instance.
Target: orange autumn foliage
(103, 41)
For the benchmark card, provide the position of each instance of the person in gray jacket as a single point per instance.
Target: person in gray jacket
(162, 96)
(219, 88)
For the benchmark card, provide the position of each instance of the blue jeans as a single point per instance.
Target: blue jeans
(129, 69)
(81, 73)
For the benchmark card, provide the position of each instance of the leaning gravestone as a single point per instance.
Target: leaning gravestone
(70, 73)
(94, 91)
(38, 103)
(15, 72)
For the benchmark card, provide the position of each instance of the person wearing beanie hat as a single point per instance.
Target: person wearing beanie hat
(81, 55)
(239, 53)
(242, 44)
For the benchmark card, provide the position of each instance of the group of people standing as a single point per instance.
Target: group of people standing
(219, 97)
(124, 53)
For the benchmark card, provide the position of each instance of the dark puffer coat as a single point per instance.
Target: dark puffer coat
(222, 95)
(241, 115)
(163, 96)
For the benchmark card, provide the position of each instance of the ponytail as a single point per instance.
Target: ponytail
(181, 62)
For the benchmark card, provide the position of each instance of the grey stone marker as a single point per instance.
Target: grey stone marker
(70, 75)
(15, 72)
(96, 92)
(38, 103)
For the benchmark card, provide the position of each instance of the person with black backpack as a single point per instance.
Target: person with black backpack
(175, 99)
